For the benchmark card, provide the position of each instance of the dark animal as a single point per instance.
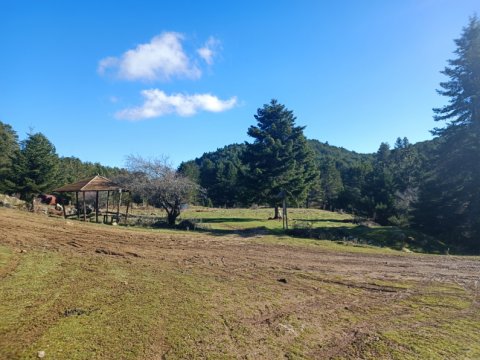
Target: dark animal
(48, 199)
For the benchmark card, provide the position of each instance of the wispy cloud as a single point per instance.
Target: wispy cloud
(209, 50)
(113, 99)
(158, 104)
(106, 63)
(160, 59)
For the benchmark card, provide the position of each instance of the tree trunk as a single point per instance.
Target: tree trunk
(277, 214)
(171, 217)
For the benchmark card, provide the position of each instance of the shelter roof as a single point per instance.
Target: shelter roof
(96, 183)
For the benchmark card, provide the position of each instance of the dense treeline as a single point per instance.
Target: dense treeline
(433, 186)
(219, 173)
(395, 186)
(32, 166)
(380, 186)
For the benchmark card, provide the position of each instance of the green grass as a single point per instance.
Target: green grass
(244, 219)
(5, 256)
(92, 307)
(306, 223)
(85, 307)
(37, 297)
(438, 322)
(75, 305)
(442, 323)
(314, 224)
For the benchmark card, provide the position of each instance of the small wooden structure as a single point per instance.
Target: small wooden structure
(95, 184)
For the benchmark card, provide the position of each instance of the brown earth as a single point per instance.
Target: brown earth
(287, 298)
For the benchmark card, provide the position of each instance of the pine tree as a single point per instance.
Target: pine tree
(351, 198)
(379, 188)
(463, 86)
(406, 168)
(280, 161)
(9, 150)
(449, 204)
(36, 167)
(332, 185)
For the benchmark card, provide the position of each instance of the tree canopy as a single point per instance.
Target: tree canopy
(463, 84)
(9, 150)
(279, 161)
(160, 184)
(449, 203)
(36, 166)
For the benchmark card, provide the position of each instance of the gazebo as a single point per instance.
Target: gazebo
(95, 184)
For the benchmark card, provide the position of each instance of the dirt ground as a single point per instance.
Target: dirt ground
(306, 299)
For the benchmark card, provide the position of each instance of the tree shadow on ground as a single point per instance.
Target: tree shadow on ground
(227, 220)
(245, 233)
(385, 236)
(325, 220)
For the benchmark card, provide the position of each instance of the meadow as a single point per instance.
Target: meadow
(236, 287)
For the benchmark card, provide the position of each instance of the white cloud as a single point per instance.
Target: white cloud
(160, 59)
(105, 63)
(209, 50)
(157, 104)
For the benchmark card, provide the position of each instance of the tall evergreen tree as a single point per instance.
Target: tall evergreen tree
(379, 187)
(406, 168)
(463, 85)
(450, 200)
(36, 167)
(280, 161)
(9, 149)
(331, 181)
(353, 197)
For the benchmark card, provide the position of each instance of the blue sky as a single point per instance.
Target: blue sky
(104, 79)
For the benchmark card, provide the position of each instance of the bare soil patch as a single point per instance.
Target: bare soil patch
(220, 296)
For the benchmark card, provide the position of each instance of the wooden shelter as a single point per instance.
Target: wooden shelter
(95, 184)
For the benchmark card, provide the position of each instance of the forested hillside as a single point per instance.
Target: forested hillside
(397, 186)
(32, 166)
(432, 186)
(381, 186)
(218, 172)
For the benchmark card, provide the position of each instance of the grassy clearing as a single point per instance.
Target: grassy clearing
(75, 306)
(313, 224)
(200, 295)
(304, 223)
(244, 219)
(94, 307)
(446, 322)
(5, 256)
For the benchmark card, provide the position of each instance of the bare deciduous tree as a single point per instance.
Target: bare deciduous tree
(160, 184)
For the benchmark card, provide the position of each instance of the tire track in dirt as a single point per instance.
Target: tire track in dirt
(329, 281)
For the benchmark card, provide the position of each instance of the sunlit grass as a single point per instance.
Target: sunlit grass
(83, 305)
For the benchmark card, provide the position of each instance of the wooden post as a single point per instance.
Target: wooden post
(78, 206)
(284, 212)
(118, 205)
(64, 211)
(84, 207)
(128, 205)
(108, 197)
(96, 208)
(286, 216)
